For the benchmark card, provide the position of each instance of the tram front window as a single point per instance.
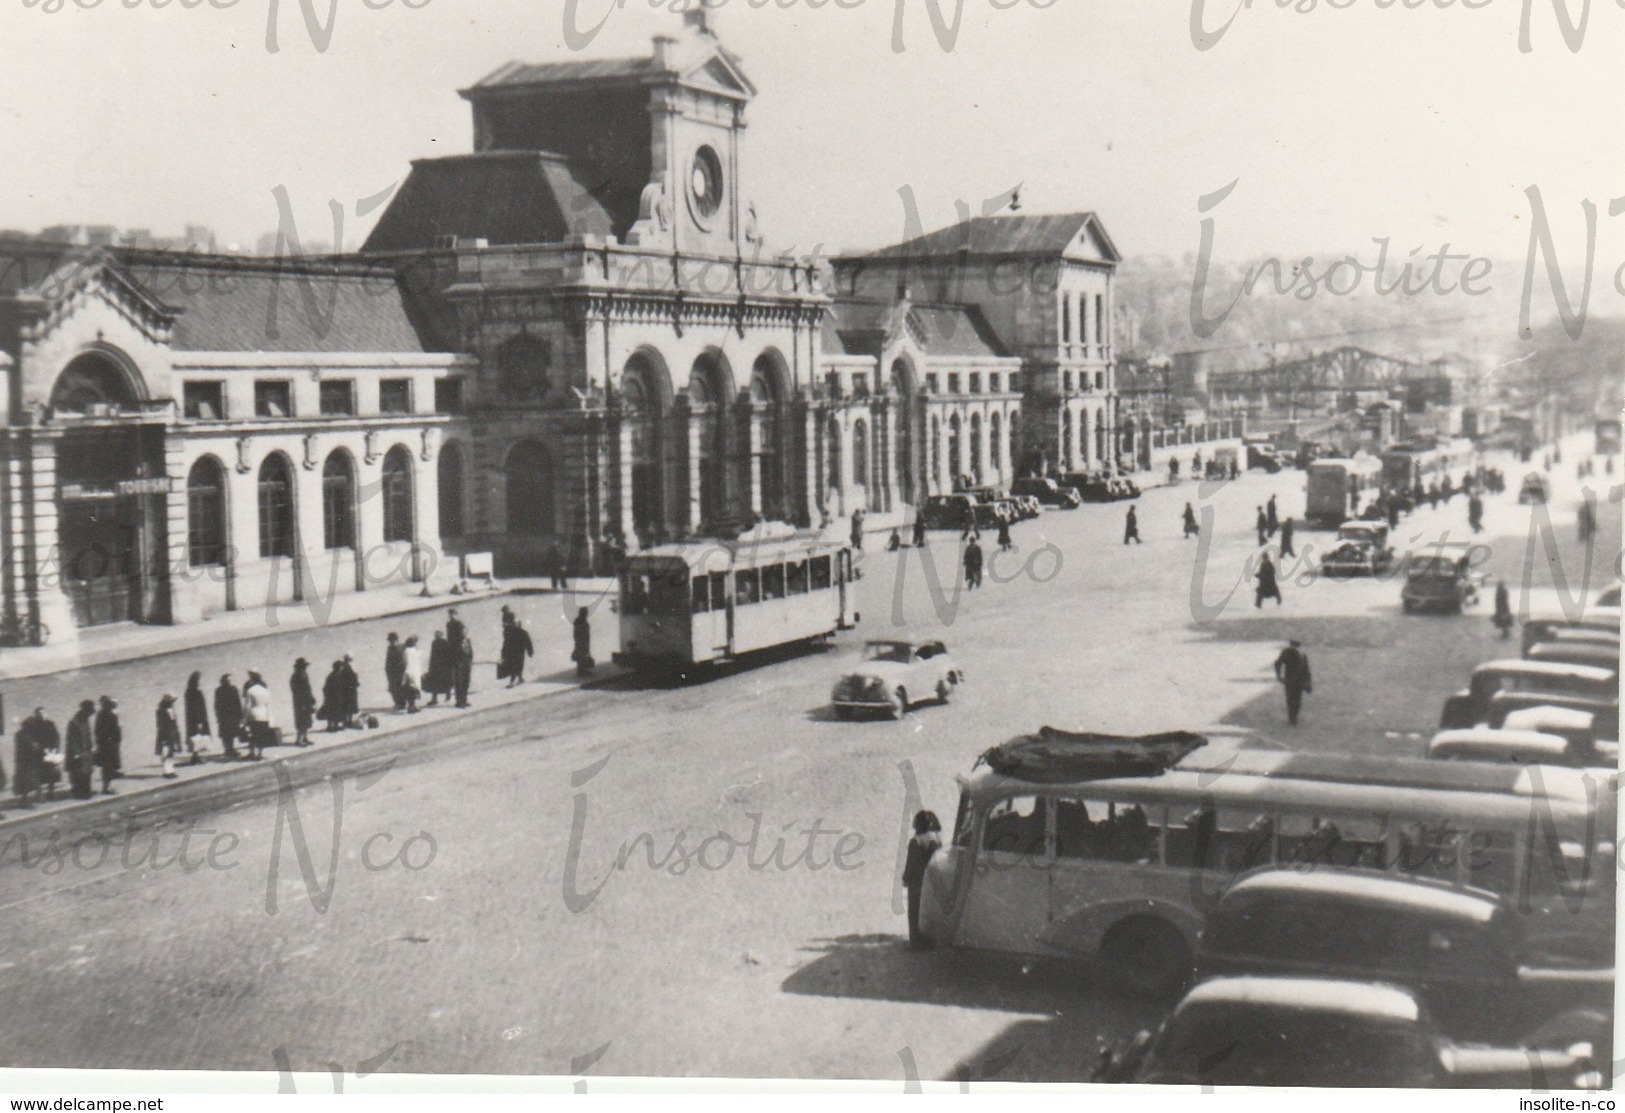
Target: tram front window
(668, 593)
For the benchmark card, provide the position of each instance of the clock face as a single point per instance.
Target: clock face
(705, 186)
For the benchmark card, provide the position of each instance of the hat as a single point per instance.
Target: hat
(87, 705)
(167, 700)
(1294, 643)
(301, 664)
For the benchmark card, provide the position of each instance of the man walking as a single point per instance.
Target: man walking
(109, 741)
(1475, 513)
(1131, 528)
(395, 670)
(973, 565)
(1268, 588)
(1272, 520)
(228, 715)
(1292, 670)
(919, 532)
(857, 530)
(1286, 539)
(1262, 525)
(1191, 528)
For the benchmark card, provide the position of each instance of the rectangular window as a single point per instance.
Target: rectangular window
(338, 398)
(1066, 320)
(953, 382)
(747, 587)
(205, 401)
(719, 591)
(773, 582)
(395, 396)
(976, 382)
(448, 396)
(1083, 319)
(931, 382)
(1066, 382)
(1105, 831)
(668, 593)
(796, 578)
(700, 591)
(820, 573)
(1100, 380)
(273, 398)
(1100, 319)
(1016, 826)
(1015, 382)
(634, 594)
(993, 382)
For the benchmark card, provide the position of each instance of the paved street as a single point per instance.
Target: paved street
(514, 945)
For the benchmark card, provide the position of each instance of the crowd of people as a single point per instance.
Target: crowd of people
(243, 720)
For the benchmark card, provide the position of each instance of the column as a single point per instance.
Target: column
(48, 603)
(180, 578)
(753, 428)
(813, 458)
(622, 440)
(694, 477)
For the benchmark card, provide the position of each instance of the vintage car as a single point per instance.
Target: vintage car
(1361, 549)
(1266, 457)
(1004, 507)
(1442, 577)
(1579, 727)
(1534, 489)
(1540, 681)
(958, 512)
(1463, 951)
(894, 675)
(1601, 654)
(1029, 505)
(1608, 597)
(1520, 747)
(1099, 487)
(1602, 621)
(1259, 1031)
(1048, 492)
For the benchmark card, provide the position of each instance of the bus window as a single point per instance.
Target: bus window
(700, 594)
(719, 591)
(821, 573)
(1431, 849)
(1102, 831)
(1492, 860)
(1225, 839)
(634, 594)
(747, 587)
(795, 578)
(1015, 826)
(1309, 841)
(773, 581)
(668, 593)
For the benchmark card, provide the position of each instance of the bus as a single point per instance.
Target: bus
(1118, 860)
(1336, 486)
(1405, 468)
(707, 602)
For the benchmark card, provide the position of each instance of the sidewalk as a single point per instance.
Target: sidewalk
(130, 641)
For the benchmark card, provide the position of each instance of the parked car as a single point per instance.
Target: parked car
(1048, 492)
(1604, 710)
(958, 512)
(1602, 655)
(894, 675)
(1441, 577)
(1253, 1031)
(1519, 747)
(1541, 625)
(1029, 506)
(1577, 726)
(1361, 549)
(1003, 505)
(1263, 456)
(1463, 951)
(1472, 706)
(1534, 489)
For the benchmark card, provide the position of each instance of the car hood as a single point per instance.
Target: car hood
(877, 670)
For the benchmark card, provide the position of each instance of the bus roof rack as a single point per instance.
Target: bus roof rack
(1054, 756)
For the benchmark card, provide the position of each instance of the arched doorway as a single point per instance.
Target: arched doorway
(956, 471)
(645, 398)
(449, 482)
(400, 512)
(907, 421)
(767, 392)
(934, 447)
(976, 448)
(529, 473)
(710, 393)
(995, 445)
(276, 507)
(338, 501)
(1083, 438)
(1066, 441)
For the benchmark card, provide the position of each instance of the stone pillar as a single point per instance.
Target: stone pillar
(621, 439)
(888, 436)
(181, 578)
(48, 603)
(813, 454)
(695, 417)
(754, 448)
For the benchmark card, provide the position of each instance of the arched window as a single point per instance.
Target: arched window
(276, 507)
(530, 490)
(834, 453)
(399, 519)
(934, 448)
(1100, 436)
(1083, 435)
(449, 478)
(860, 453)
(1066, 439)
(1015, 435)
(206, 513)
(338, 501)
(92, 379)
(764, 396)
(642, 408)
(995, 442)
(955, 469)
(708, 391)
(976, 447)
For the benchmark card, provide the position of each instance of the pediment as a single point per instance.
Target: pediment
(721, 74)
(1092, 244)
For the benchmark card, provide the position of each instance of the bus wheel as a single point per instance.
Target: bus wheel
(899, 703)
(1146, 955)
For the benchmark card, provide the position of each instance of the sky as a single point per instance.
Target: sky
(1417, 120)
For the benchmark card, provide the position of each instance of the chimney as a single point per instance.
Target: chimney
(697, 18)
(664, 47)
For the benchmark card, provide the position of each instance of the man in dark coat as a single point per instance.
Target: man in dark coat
(1475, 513)
(351, 691)
(439, 680)
(927, 840)
(462, 663)
(1286, 539)
(1005, 544)
(168, 741)
(197, 715)
(1272, 518)
(1393, 512)
(228, 715)
(304, 702)
(109, 741)
(1191, 528)
(1268, 588)
(28, 756)
(581, 653)
(1262, 525)
(857, 530)
(973, 565)
(919, 532)
(48, 744)
(79, 754)
(516, 646)
(1292, 670)
(395, 670)
(334, 697)
(1131, 528)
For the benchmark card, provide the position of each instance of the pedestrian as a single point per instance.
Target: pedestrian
(414, 672)
(516, 646)
(857, 530)
(1292, 670)
(1262, 525)
(228, 715)
(1393, 512)
(197, 717)
(1503, 610)
(168, 742)
(1131, 528)
(1587, 523)
(332, 708)
(894, 542)
(1191, 528)
(49, 741)
(1286, 539)
(26, 760)
(1475, 513)
(1173, 470)
(395, 670)
(303, 700)
(1268, 588)
(1005, 544)
(919, 532)
(462, 665)
(350, 689)
(257, 699)
(927, 840)
(555, 568)
(1433, 495)
(109, 743)
(438, 681)
(581, 648)
(80, 753)
(1272, 520)
(973, 565)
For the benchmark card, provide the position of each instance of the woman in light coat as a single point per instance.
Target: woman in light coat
(257, 702)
